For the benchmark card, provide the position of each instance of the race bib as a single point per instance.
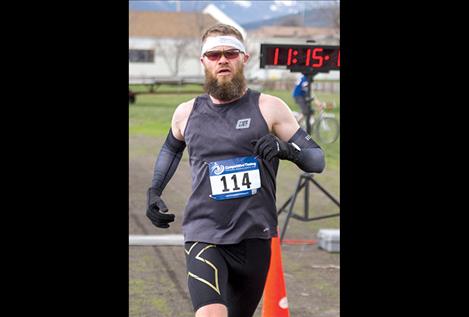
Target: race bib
(234, 178)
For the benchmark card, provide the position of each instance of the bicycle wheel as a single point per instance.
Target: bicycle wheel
(327, 130)
(302, 123)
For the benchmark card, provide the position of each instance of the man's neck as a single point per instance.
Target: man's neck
(221, 102)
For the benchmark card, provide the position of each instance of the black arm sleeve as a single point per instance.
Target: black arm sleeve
(306, 153)
(167, 162)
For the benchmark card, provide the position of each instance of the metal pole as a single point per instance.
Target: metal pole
(306, 206)
(167, 239)
(290, 209)
(325, 192)
(289, 199)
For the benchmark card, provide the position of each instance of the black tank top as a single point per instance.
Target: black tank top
(220, 132)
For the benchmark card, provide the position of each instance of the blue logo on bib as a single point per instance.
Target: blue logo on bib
(217, 169)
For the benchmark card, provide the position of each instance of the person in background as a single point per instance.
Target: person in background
(300, 95)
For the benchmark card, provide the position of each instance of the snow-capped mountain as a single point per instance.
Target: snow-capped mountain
(252, 14)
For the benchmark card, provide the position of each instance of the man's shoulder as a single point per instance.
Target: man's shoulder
(190, 103)
(186, 104)
(271, 101)
(272, 108)
(184, 108)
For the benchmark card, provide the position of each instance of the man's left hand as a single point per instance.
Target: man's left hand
(269, 146)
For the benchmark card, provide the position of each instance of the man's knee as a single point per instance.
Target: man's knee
(212, 310)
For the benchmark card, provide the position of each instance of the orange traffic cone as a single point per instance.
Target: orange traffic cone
(275, 303)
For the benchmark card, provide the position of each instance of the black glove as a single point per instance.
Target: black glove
(269, 146)
(155, 209)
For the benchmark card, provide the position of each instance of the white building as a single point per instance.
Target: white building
(167, 44)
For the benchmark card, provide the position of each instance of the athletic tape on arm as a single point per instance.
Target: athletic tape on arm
(167, 162)
(310, 158)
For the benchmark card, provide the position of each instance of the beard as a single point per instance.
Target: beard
(225, 89)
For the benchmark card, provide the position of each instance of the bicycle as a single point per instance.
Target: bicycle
(325, 127)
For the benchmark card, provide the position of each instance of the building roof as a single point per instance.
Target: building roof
(168, 24)
(292, 32)
(220, 16)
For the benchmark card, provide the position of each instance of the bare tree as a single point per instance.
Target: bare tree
(253, 49)
(173, 52)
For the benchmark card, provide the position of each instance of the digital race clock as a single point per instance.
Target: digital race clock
(300, 57)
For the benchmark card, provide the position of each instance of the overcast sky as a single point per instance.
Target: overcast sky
(242, 11)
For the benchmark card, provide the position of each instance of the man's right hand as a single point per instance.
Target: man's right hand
(156, 210)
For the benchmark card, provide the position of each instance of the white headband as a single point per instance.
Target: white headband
(214, 41)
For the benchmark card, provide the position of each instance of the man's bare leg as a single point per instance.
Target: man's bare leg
(212, 310)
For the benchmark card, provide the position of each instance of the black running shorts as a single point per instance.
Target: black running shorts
(233, 274)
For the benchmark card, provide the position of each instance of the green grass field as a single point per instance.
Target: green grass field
(311, 291)
(151, 114)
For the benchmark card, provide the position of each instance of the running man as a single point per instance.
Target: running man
(235, 138)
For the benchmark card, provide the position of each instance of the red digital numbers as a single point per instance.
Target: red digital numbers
(320, 60)
(276, 56)
(295, 53)
(291, 60)
(316, 57)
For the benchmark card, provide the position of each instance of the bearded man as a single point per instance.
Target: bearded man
(235, 138)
